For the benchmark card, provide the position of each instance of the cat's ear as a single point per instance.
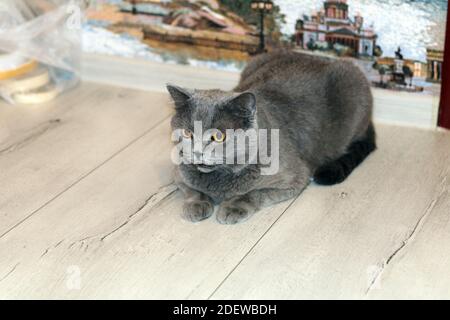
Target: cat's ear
(179, 95)
(244, 105)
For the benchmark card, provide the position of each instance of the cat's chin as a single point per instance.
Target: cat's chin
(205, 168)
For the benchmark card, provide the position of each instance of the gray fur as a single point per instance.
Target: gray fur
(320, 106)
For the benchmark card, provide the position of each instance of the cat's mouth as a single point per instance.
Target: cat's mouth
(206, 168)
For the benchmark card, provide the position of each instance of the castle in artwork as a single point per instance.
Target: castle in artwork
(332, 25)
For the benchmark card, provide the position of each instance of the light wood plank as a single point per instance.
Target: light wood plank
(420, 268)
(20, 123)
(117, 221)
(121, 227)
(335, 242)
(153, 76)
(406, 109)
(59, 144)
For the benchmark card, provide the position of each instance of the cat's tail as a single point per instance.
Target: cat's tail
(338, 170)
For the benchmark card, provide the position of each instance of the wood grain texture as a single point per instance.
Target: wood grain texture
(338, 242)
(121, 228)
(45, 149)
(19, 122)
(153, 76)
(419, 268)
(88, 210)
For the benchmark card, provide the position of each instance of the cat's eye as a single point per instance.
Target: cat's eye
(187, 133)
(218, 136)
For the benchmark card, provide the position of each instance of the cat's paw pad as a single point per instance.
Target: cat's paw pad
(232, 214)
(197, 210)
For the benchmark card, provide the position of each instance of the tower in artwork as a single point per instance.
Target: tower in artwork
(332, 25)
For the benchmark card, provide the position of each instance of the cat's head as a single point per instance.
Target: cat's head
(204, 118)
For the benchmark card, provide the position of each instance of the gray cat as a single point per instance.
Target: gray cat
(323, 109)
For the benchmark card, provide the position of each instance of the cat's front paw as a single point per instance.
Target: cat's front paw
(232, 213)
(197, 210)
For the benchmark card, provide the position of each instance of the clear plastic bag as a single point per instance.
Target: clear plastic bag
(40, 48)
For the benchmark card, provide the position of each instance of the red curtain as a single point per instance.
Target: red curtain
(444, 109)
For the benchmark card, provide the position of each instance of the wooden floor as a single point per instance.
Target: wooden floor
(88, 210)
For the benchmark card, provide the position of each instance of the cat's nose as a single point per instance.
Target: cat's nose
(197, 154)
